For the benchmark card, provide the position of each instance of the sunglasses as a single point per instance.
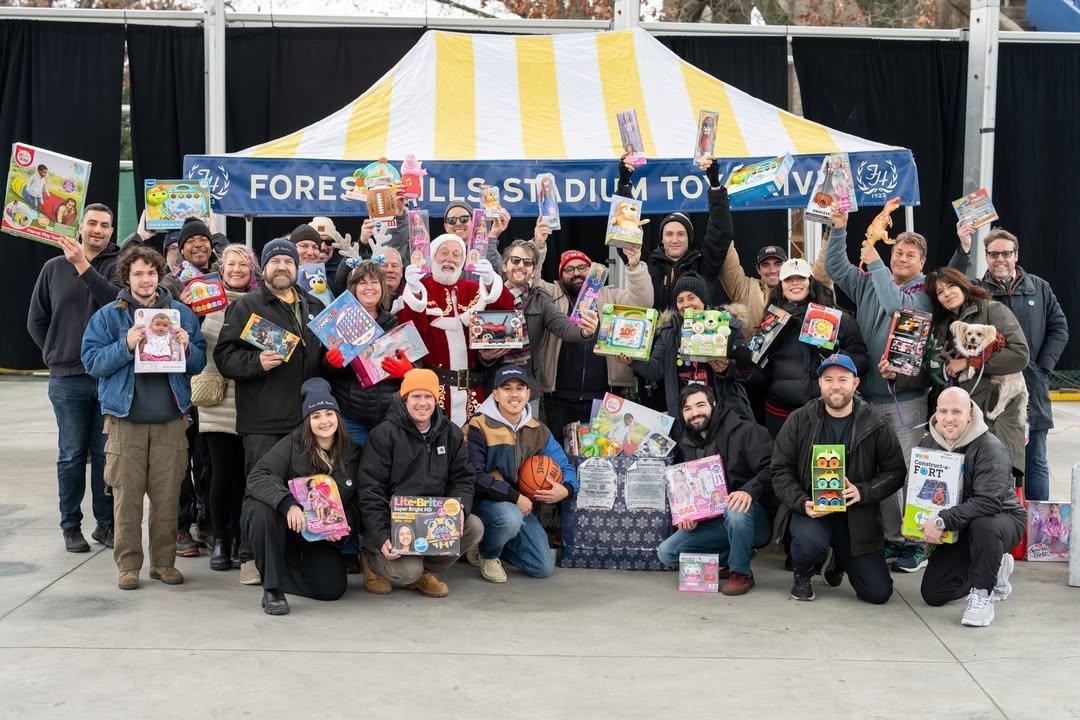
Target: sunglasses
(527, 262)
(995, 254)
(458, 220)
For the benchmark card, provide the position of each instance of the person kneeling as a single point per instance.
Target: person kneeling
(874, 471)
(501, 437)
(416, 451)
(274, 520)
(709, 429)
(990, 520)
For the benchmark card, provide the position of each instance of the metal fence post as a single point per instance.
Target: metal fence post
(981, 114)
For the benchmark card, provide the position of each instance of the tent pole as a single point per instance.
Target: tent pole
(627, 14)
(214, 57)
(909, 218)
(249, 231)
(981, 114)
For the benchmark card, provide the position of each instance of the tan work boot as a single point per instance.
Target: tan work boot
(374, 583)
(429, 586)
(167, 575)
(492, 570)
(129, 580)
(249, 573)
(472, 556)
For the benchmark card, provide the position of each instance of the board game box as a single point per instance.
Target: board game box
(170, 202)
(705, 335)
(1048, 528)
(827, 473)
(934, 482)
(625, 330)
(324, 514)
(265, 335)
(345, 325)
(46, 194)
(699, 572)
(906, 346)
(821, 326)
(426, 525)
(697, 490)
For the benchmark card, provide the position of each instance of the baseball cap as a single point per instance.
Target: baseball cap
(838, 360)
(506, 373)
(770, 251)
(795, 266)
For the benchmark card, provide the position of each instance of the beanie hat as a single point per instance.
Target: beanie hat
(419, 379)
(304, 232)
(323, 225)
(278, 246)
(315, 395)
(694, 283)
(457, 204)
(446, 238)
(570, 255)
(192, 227)
(682, 220)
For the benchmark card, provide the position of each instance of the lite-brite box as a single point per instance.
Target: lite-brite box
(827, 471)
(170, 202)
(46, 194)
(324, 514)
(1048, 526)
(906, 346)
(821, 326)
(426, 525)
(589, 295)
(625, 330)
(497, 329)
(346, 326)
(705, 335)
(624, 223)
(265, 335)
(759, 180)
(697, 490)
(935, 479)
(699, 572)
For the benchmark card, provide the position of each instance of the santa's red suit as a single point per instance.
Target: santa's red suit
(442, 315)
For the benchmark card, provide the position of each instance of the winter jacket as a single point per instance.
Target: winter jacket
(399, 460)
(874, 464)
(367, 406)
(791, 372)
(543, 320)
(268, 402)
(745, 446)
(988, 485)
(62, 304)
(220, 417)
(268, 481)
(497, 449)
(106, 355)
(876, 298)
(1045, 327)
(705, 260)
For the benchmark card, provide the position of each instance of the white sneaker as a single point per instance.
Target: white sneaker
(473, 556)
(1003, 588)
(980, 609)
(249, 574)
(492, 570)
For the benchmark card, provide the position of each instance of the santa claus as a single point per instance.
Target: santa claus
(441, 307)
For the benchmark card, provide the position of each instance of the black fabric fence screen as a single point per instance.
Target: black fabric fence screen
(60, 89)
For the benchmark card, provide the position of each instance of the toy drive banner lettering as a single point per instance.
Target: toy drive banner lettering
(268, 186)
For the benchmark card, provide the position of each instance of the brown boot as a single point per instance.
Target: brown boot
(167, 575)
(429, 586)
(374, 583)
(129, 580)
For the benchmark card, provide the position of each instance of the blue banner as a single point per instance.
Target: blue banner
(300, 187)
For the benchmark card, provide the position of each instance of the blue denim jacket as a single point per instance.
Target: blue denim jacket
(106, 356)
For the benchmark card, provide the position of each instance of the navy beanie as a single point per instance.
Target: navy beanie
(304, 232)
(278, 246)
(192, 227)
(315, 395)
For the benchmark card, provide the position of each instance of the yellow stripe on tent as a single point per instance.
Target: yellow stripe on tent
(808, 137)
(369, 123)
(708, 93)
(455, 97)
(538, 93)
(281, 148)
(621, 84)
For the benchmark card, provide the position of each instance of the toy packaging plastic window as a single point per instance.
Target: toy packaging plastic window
(833, 184)
(827, 472)
(699, 572)
(934, 482)
(697, 490)
(547, 200)
(821, 326)
(324, 514)
(589, 294)
(346, 326)
(1048, 529)
(478, 240)
(426, 525)
(625, 329)
(159, 351)
(490, 201)
(706, 135)
(170, 202)
(265, 335)
(705, 335)
(420, 240)
(630, 135)
(624, 223)
(906, 346)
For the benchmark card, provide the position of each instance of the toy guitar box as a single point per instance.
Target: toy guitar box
(497, 329)
(821, 326)
(625, 330)
(975, 208)
(265, 335)
(624, 223)
(935, 478)
(630, 135)
(547, 200)
(772, 324)
(478, 240)
(827, 472)
(906, 346)
(699, 572)
(1048, 529)
(705, 335)
(404, 339)
(759, 180)
(697, 490)
(159, 351)
(420, 240)
(620, 426)
(170, 202)
(46, 194)
(589, 295)
(833, 185)
(345, 325)
(312, 279)
(207, 294)
(426, 525)
(324, 514)
(705, 145)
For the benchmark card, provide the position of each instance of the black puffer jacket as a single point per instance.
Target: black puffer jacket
(875, 465)
(398, 460)
(367, 406)
(745, 446)
(704, 259)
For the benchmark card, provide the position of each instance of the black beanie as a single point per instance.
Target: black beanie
(695, 284)
(304, 232)
(315, 395)
(192, 227)
(456, 204)
(682, 220)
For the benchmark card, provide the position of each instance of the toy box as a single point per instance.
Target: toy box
(697, 490)
(547, 200)
(426, 525)
(497, 330)
(478, 240)
(935, 479)
(827, 473)
(159, 351)
(403, 338)
(759, 180)
(490, 201)
(265, 335)
(625, 330)
(623, 425)
(589, 294)
(906, 346)
(655, 445)
(312, 279)
(624, 223)
(699, 572)
(170, 202)
(772, 324)
(46, 194)
(821, 326)
(345, 325)
(420, 240)
(705, 335)
(705, 145)
(184, 272)
(833, 184)
(207, 294)
(630, 135)
(1048, 525)
(975, 208)
(324, 514)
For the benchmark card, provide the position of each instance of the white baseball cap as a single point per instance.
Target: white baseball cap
(795, 267)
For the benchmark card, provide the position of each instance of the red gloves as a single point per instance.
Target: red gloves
(397, 364)
(335, 358)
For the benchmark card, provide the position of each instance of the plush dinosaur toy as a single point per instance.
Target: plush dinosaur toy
(879, 226)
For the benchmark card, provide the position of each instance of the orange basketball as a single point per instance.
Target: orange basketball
(538, 472)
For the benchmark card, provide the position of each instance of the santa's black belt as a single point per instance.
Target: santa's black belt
(461, 379)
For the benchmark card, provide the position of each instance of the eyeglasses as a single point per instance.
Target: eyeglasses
(458, 220)
(527, 262)
(995, 254)
(576, 269)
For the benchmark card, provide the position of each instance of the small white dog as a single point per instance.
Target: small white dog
(981, 341)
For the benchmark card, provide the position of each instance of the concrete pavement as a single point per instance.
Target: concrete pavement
(588, 644)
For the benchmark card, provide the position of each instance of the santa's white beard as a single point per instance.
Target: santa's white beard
(444, 277)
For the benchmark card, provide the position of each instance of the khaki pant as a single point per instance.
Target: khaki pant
(408, 568)
(145, 460)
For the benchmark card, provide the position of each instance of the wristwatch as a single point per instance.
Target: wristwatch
(939, 523)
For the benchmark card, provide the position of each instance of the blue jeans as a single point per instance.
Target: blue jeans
(518, 539)
(357, 433)
(1036, 468)
(79, 422)
(732, 536)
